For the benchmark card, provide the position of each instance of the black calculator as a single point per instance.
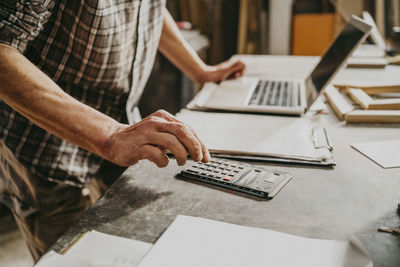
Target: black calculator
(238, 176)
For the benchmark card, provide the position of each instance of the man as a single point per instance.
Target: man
(71, 75)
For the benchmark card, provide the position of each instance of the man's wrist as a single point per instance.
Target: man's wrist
(107, 150)
(202, 73)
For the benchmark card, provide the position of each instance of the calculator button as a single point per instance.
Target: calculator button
(265, 186)
(270, 177)
(227, 178)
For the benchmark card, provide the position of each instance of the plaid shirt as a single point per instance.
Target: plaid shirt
(99, 52)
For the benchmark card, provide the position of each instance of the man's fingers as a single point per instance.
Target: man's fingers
(165, 115)
(155, 155)
(241, 71)
(234, 69)
(167, 141)
(185, 135)
(206, 153)
(149, 138)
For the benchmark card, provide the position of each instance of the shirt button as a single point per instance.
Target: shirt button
(85, 192)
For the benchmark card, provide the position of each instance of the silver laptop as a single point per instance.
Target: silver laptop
(249, 94)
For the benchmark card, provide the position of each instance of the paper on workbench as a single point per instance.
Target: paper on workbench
(257, 135)
(198, 242)
(386, 153)
(109, 248)
(53, 259)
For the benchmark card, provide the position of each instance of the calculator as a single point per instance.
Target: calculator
(238, 176)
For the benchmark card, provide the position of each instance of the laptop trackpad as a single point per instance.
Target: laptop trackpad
(232, 92)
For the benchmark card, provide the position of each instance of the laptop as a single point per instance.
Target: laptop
(283, 96)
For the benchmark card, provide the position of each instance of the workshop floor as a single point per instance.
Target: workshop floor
(13, 251)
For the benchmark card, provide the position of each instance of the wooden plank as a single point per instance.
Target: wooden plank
(366, 102)
(380, 16)
(371, 90)
(367, 62)
(373, 116)
(385, 104)
(360, 97)
(243, 21)
(338, 102)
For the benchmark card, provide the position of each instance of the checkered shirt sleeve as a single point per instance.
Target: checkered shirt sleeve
(100, 52)
(22, 21)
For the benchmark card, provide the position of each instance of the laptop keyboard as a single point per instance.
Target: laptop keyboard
(273, 93)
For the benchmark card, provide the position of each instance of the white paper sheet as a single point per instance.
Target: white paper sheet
(109, 248)
(198, 242)
(386, 153)
(53, 259)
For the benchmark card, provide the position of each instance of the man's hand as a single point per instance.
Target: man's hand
(225, 70)
(174, 46)
(151, 138)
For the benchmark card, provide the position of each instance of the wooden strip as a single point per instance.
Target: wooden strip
(366, 102)
(243, 20)
(338, 102)
(371, 90)
(360, 97)
(381, 89)
(365, 63)
(385, 104)
(373, 116)
(380, 16)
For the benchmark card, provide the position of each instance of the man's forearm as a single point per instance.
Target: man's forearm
(181, 54)
(33, 94)
(178, 51)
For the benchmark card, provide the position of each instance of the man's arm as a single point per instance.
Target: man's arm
(33, 94)
(181, 54)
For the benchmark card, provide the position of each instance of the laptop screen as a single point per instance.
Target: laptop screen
(340, 50)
